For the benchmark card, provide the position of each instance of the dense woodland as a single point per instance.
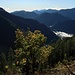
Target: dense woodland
(32, 55)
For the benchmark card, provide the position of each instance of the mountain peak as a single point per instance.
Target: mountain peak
(45, 10)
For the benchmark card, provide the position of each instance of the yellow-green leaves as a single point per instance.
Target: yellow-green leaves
(31, 48)
(19, 39)
(44, 53)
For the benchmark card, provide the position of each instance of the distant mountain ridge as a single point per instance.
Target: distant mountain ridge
(25, 14)
(45, 11)
(65, 12)
(45, 16)
(68, 12)
(50, 19)
(57, 19)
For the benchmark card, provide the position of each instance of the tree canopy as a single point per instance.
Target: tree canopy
(31, 50)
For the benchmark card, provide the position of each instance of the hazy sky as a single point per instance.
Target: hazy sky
(28, 5)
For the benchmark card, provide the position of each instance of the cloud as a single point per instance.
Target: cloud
(7, 9)
(58, 8)
(62, 34)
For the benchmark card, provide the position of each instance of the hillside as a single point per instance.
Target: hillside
(7, 33)
(66, 26)
(49, 19)
(7, 30)
(68, 13)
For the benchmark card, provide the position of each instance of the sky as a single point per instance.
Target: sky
(29, 5)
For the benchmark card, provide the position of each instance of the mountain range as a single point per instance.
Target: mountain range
(48, 17)
(46, 22)
(62, 20)
(68, 13)
(45, 11)
(25, 14)
(9, 23)
(65, 12)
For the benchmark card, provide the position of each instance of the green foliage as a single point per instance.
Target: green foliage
(31, 55)
(3, 62)
(44, 53)
(10, 57)
(64, 49)
(1, 73)
(31, 50)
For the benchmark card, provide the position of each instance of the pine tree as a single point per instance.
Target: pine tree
(3, 63)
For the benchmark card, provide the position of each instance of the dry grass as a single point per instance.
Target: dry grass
(61, 70)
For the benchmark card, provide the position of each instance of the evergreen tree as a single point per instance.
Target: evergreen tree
(10, 57)
(3, 63)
